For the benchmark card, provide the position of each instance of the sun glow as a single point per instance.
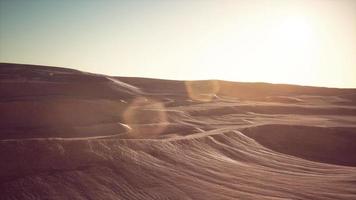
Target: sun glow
(281, 41)
(272, 52)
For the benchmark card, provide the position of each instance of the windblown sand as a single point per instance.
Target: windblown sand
(67, 134)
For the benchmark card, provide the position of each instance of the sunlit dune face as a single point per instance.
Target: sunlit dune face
(145, 117)
(203, 91)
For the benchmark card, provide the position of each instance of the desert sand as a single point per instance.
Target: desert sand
(67, 134)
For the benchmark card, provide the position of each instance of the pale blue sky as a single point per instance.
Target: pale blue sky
(307, 42)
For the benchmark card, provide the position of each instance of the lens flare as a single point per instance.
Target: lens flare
(146, 118)
(203, 91)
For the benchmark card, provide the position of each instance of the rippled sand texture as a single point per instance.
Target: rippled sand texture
(66, 134)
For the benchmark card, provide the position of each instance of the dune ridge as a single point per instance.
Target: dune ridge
(217, 166)
(67, 134)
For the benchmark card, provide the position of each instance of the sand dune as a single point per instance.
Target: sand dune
(67, 134)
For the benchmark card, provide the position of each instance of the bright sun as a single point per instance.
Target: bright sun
(271, 52)
(294, 31)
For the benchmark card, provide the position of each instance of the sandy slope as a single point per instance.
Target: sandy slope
(66, 134)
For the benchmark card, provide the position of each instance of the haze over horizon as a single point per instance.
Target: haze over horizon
(293, 42)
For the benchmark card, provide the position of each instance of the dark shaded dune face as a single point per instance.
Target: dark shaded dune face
(25, 81)
(40, 102)
(156, 85)
(334, 145)
(60, 117)
(67, 134)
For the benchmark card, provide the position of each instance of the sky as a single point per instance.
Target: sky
(304, 42)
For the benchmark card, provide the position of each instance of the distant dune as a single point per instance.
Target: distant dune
(67, 134)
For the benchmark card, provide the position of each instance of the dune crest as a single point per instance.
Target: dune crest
(67, 134)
